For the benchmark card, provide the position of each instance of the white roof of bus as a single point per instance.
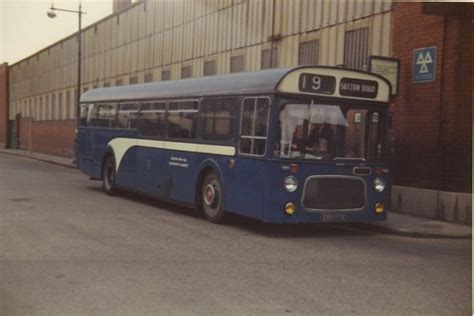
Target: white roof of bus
(242, 83)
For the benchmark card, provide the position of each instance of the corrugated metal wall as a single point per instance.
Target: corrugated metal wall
(155, 36)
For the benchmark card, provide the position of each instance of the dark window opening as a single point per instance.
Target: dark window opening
(308, 53)
(165, 75)
(210, 68)
(356, 47)
(237, 64)
(186, 72)
(269, 58)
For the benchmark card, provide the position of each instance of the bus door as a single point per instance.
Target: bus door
(249, 193)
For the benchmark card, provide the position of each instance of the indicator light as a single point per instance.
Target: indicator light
(290, 208)
(379, 208)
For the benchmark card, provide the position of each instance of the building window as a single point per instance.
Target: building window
(186, 72)
(356, 46)
(165, 75)
(148, 77)
(237, 64)
(133, 80)
(210, 68)
(53, 106)
(308, 53)
(76, 105)
(119, 82)
(68, 105)
(106, 84)
(95, 86)
(47, 109)
(60, 106)
(269, 58)
(30, 108)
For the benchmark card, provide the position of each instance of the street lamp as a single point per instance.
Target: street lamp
(51, 14)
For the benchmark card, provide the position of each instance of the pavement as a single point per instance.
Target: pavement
(397, 223)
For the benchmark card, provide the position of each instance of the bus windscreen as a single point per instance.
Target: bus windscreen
(326, 132)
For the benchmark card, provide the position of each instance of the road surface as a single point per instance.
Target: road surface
(66, 248)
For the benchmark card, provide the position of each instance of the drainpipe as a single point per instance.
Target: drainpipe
(440, 108)
(273, 33)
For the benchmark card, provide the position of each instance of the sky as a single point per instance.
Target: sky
(25, 28)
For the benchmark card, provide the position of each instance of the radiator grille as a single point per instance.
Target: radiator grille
(334, 193)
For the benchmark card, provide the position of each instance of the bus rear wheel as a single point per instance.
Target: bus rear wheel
(212, 198)
(108, 176)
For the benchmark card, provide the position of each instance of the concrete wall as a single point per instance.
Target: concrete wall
(439, 205)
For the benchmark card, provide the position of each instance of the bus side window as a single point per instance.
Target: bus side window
(255, 115)
(218, 119)
(105, 115)
(153, 119)
(127, 115)
(84, 114)
(182, 119)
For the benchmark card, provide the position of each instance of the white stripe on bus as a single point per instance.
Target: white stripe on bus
(121, 145)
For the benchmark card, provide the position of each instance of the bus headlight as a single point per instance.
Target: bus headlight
(379, 184)
(290, 184)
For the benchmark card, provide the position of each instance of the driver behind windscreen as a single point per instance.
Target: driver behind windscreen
(321, 140)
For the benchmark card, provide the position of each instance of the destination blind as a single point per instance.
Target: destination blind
(358, 88)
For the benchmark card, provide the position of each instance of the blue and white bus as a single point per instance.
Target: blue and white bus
(303, 144)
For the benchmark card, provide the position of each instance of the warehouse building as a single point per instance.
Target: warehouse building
(168, 40)
(431, 125)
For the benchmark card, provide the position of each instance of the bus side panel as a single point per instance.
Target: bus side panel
(99, 141)
(127, 170)
(150, 170)
(245, 187)
(84, 150)
(181, 170)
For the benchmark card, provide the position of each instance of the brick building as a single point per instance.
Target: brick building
(161, 40)
(432, 120)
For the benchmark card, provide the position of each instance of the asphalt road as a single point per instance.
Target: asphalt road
(68, 249)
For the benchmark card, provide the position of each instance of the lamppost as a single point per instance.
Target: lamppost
(79, 13)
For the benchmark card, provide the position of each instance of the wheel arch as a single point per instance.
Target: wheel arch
(109, 152)
(209, 165)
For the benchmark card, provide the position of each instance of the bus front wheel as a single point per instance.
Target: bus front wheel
(212, 198)
(108, 176)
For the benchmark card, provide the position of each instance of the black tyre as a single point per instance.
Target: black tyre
(212, 198)
(108, 176)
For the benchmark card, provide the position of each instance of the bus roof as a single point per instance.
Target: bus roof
(277, 80)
